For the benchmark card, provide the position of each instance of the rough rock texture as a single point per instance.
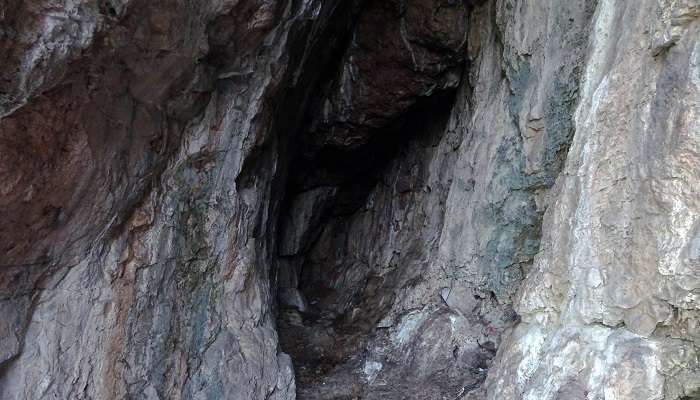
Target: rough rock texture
(610, 308)
(138, 193)
(347, 199)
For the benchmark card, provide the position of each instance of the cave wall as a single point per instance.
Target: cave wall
(616, 275)
(153, 276)
(343, 199)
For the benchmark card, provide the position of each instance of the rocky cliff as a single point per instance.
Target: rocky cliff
(348, 199)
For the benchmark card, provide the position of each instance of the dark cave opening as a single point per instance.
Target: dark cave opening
(326, 329)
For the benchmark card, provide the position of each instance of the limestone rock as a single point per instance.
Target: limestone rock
(349, 199)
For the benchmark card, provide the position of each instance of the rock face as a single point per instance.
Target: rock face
(347, 199)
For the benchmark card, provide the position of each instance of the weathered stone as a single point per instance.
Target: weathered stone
(422, 199)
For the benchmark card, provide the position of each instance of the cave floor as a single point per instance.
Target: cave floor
(325, 352)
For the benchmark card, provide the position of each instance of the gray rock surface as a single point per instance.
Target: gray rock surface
(611, 303)
(415, 199)
(138, 249)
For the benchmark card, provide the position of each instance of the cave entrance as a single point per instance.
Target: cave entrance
(330, 300)
(323, 293)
